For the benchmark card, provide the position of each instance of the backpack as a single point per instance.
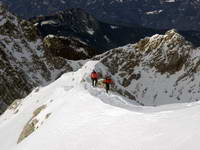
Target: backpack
(93, 75)
(107, 80)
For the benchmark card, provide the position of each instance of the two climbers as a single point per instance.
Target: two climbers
(107, 81)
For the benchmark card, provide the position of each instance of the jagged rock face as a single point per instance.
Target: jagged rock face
(161, 69)
(167, 53)
(68, 48)
(24, 64)
(161, 14)
(15, 48)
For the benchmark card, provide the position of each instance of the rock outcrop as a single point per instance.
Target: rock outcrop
(30, 126)
(68, 48)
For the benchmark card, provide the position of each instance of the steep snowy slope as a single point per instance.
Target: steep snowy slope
(70, 114)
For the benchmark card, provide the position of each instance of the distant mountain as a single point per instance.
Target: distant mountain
(159, 14)
(79, 24)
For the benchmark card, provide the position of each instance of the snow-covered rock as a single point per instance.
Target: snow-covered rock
(24, 63)
(157, 70)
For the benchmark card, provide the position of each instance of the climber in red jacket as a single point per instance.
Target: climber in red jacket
(94, 78)
(107, 81)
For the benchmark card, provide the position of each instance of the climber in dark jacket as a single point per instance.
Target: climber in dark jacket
(94, 78)
(107, 81)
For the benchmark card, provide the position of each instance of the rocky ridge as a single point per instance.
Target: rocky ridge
(157, 70)
(24, 62)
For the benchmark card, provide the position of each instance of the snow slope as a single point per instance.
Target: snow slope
(84, 118)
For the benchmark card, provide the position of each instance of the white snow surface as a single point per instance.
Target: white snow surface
(114, 27)
(154, 12)
(86, 118)
(170, 1)
(48, 22)
(90, 31)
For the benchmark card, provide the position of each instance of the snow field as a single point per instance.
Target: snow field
(86, 118)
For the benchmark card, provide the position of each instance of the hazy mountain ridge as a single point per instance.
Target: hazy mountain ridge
(78, 23)
(160, 14)
(101, 36)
